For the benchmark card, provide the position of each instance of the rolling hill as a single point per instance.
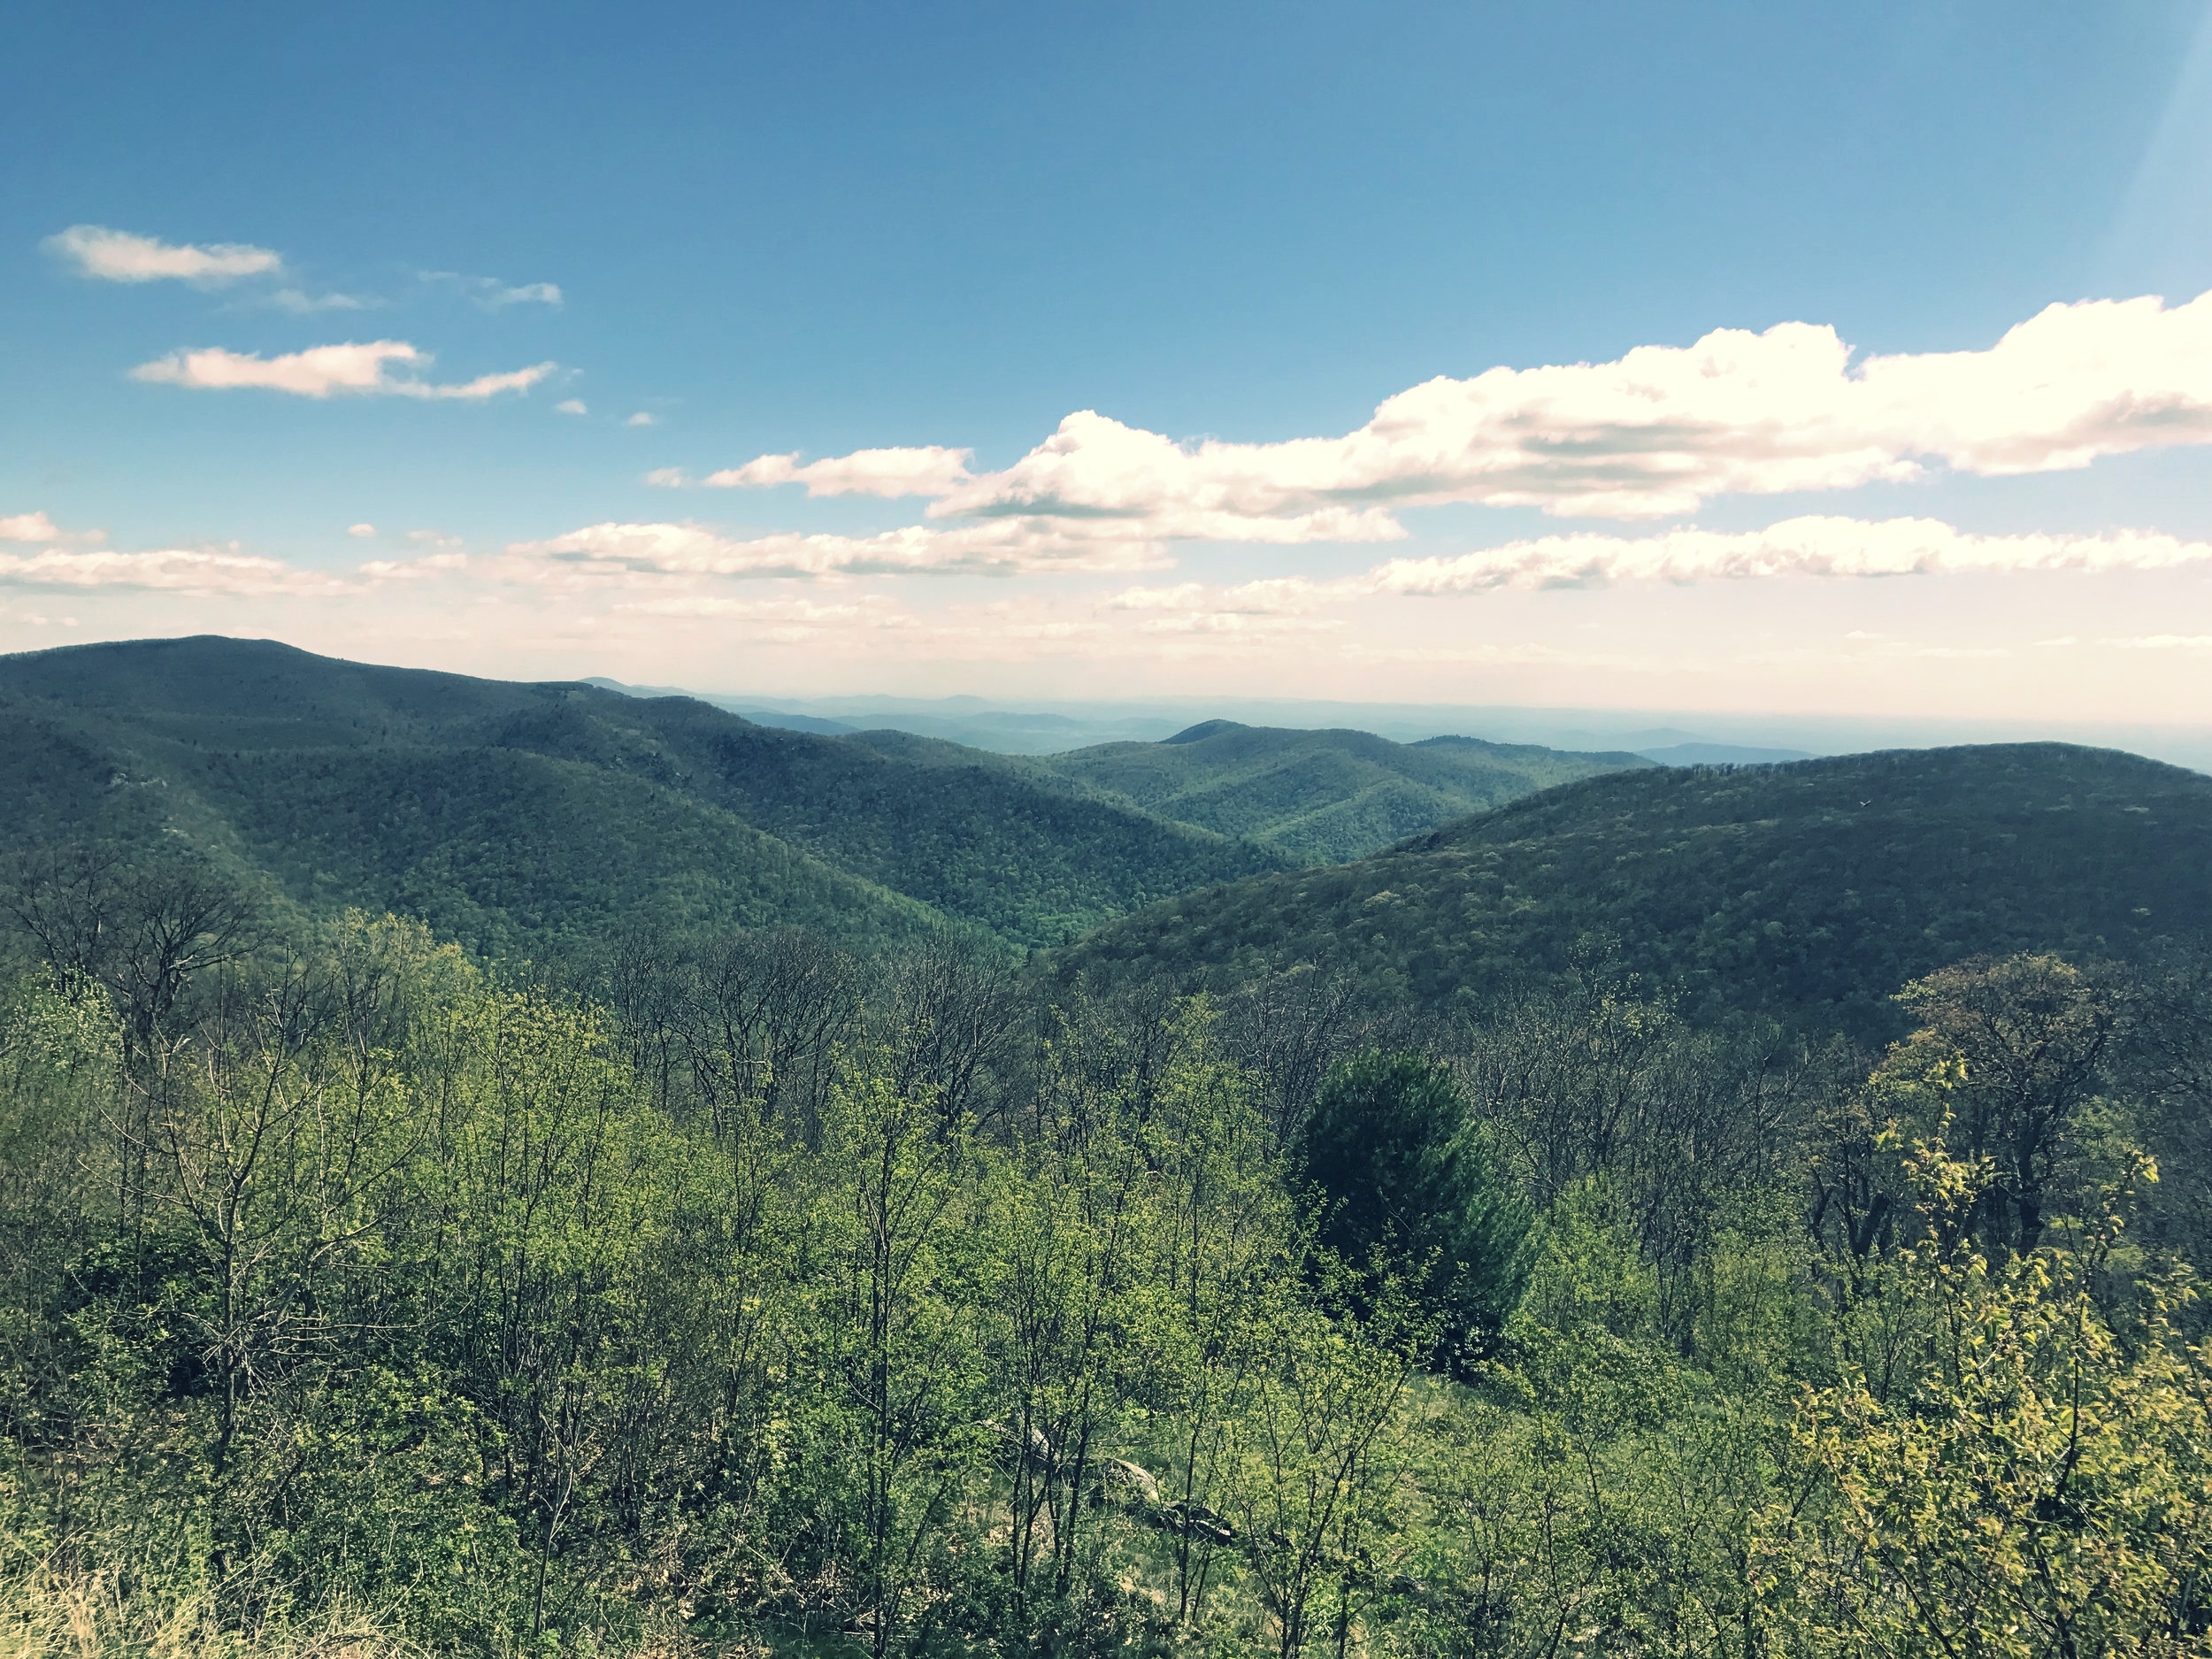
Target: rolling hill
(1326, 795)
(1811, 890)
(505, 813)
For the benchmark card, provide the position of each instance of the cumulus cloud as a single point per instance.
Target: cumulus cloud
(117, 256)
(571, 406)
(362, 370)
(170, 569)
(666, 478)
(1657, 431)
(631, 553)
(29, 526)
(930, 470)
(1808, 546)
(642, 419)
(364, 531)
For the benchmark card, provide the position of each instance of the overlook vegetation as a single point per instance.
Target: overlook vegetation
(736, 1293)
(509, 1170)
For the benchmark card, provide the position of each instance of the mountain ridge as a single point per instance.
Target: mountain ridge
(1814, 887)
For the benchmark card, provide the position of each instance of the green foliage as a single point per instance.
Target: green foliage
(2040, 1484)
(1411, 1184)
(520, 817)
(1806, 892)
(360, 1297)
(1323, 797)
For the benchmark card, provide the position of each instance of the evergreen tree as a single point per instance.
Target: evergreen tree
(1412, 1189)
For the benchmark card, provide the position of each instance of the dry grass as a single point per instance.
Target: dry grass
(49, 1614)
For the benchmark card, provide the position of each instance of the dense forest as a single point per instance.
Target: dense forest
(468, 1186)
(739, 1293)
(1809, 892)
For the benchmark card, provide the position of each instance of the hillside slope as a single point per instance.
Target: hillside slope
(505, 851)
(1811, 889)
(1323, 795)
(236, 733)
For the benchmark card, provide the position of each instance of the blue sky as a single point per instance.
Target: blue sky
(830, 230)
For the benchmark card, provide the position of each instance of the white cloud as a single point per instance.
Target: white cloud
(324, 371)
(633, 552)
(571, 406)
(1656, 431)
(1811, 546)
(642, 419)
(491, 294)
(117, 256)
(29, 526)
(414, 570)
(928, 471)
(2163, 643)
(169, 570)
(304, 304)
(364, 531)
(666, 478)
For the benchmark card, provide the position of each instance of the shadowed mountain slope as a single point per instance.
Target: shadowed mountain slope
(1810, 890)
(294, 763)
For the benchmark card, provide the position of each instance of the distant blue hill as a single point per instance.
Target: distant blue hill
(1720, 754)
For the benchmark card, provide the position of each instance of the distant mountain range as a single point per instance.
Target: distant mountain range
(1045, 727)
(512, 816)
(1323, 795)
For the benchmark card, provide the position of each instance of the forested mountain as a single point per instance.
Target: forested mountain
(507, 851)
(502, 813)
(1811, 889)
(1323, 795)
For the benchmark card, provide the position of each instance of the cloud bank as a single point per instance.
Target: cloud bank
(357, 370)
(117, 256)
(1653, 432)
(1810, 546)
(630, 553)
(169, 570)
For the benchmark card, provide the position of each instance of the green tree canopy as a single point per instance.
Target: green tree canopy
(1413, 1188)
